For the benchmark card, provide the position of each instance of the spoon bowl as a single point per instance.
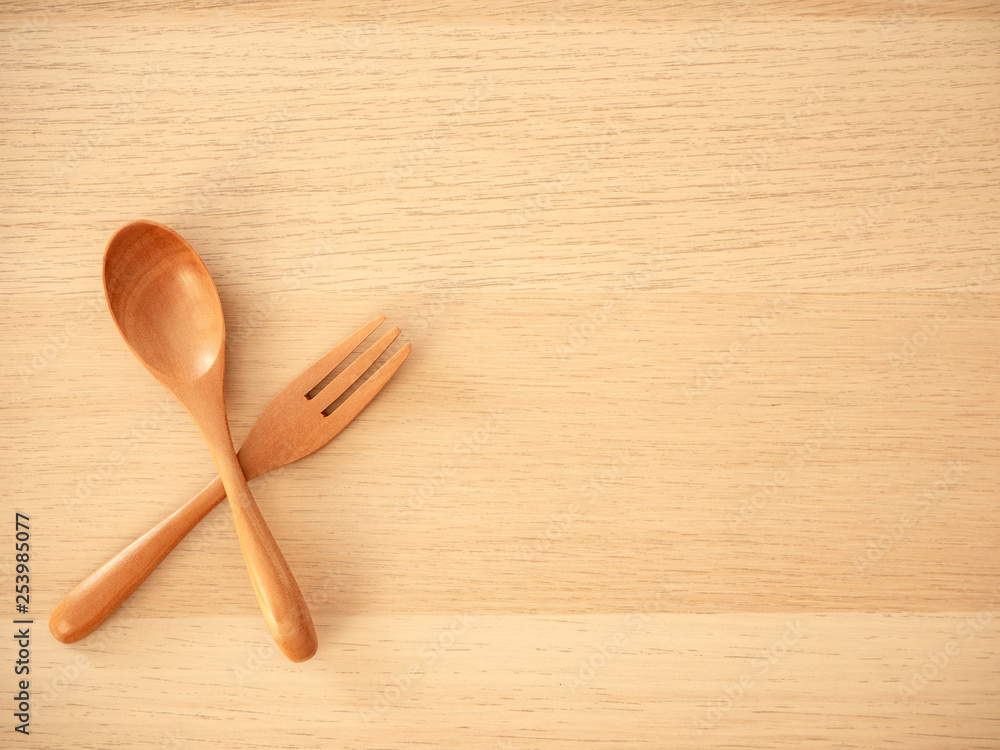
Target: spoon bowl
(167, 309)
(164, 301)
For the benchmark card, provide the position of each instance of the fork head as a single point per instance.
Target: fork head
(294, 425)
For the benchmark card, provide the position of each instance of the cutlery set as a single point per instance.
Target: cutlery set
(167, 309)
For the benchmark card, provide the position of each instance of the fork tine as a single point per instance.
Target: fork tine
(342, 382)
(347, 411)
(314, 374)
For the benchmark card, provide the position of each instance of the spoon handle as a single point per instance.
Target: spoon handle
(278, 594)
(103, 591)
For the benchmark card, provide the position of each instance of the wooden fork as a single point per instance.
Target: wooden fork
(291, 427)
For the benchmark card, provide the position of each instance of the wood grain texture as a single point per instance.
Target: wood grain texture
(698, 441)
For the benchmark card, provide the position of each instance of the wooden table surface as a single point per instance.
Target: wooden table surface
(698, 444)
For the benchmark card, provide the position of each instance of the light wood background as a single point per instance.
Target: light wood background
(698, 444)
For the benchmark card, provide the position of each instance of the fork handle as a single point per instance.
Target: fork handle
(84, 608)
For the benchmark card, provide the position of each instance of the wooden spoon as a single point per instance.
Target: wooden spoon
(167, 309)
